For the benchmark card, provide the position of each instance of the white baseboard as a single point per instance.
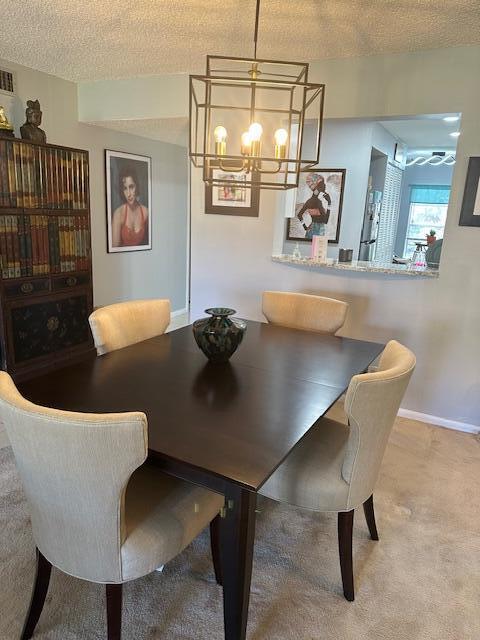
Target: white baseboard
(179, 312)
(439, 422)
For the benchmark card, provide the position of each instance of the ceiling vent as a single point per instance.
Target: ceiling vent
(7, 84)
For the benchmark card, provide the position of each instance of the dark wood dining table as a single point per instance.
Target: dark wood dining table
(226, 427)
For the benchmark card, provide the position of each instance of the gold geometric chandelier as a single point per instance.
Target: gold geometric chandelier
(254, 122)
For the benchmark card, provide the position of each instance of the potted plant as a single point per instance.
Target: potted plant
(431, 237)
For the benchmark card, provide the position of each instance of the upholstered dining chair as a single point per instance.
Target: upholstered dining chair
(124, 323)
(335, 466)
(98, 513)
(304, 311)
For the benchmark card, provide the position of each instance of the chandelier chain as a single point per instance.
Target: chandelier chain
(257, 15)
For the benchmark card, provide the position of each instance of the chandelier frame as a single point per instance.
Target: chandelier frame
(304, 106)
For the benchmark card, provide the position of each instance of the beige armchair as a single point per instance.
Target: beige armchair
(97, 512)
(335, 466)
(120, 325)
(304, 311)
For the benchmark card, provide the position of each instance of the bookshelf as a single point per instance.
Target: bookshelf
(45, 256)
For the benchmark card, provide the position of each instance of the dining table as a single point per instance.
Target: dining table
(226, 427)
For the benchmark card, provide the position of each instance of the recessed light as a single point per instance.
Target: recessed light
(451, 118)
(454, 134)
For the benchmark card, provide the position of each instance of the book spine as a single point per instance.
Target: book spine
(22, 243)
(35, 254)
(81, 261)
(76, 242)
(55, 196)
(46, 253)
(3, 246)
(61, 235)
(28, 246)
(56, 243)
(4, 199)
(16, 247)
(38, 177)
(10, 252)
(71, 243)
(25, 175)
(18, 175)
(12, 185)
(32, 176)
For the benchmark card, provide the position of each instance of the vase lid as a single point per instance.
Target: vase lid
(220, 312)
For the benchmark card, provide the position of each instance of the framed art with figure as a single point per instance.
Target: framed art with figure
(315, 206)
(129, 198)
(470, 212)
(233, 200)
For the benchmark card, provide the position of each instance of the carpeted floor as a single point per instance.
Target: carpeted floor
(420, 582)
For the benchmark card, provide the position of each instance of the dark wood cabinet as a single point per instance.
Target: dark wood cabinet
(45, 250)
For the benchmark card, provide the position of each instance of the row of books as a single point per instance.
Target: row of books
(37, 177)
(33, 245)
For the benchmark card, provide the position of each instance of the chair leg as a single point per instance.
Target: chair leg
(114, 611)
(345, 531)
(39, 593)
(370, 517)
(215, 545)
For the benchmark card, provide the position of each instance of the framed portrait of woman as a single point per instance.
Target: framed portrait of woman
(315, 207)
(129, 201)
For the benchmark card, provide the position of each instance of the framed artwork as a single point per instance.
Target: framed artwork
(317, 201)
(470, 212)
(129, 197)
(232, 200)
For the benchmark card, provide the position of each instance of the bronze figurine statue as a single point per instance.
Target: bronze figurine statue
(6, 129)
(31, 129)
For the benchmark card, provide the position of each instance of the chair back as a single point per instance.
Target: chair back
(304, 311)
(372, 404)
(75, 468)
(124, 323)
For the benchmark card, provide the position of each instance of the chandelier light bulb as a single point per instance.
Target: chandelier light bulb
(255, 130)
(280, 136)
(220, 134)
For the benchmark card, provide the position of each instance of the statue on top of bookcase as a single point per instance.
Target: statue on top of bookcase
(31, 129)
(6, 129)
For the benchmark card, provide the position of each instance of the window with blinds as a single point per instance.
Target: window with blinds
(6, 82)
(387, 226)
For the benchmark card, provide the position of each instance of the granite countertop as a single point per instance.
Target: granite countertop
(358, 265)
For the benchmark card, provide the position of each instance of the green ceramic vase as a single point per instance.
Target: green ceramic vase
(219, 336)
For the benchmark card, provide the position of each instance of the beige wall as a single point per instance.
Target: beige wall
(160, 272)
(438, 319)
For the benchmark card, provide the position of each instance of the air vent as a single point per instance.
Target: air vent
(6, 82)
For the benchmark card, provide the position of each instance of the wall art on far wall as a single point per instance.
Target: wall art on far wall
(232, 200)
(324, 189)
(129, 201)
(470, 213)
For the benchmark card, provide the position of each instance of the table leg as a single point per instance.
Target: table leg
(237, 536)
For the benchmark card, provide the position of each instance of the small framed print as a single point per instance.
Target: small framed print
(316, 205)
(232, 200)
(470, 212)
(129, 198)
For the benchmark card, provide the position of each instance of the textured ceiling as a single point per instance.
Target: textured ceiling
(96, 39)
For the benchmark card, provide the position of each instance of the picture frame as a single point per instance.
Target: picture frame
(470, 211)
(128, 182)
(231, 200)
(334, 180)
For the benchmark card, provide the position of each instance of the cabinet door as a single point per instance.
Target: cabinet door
(46, 327)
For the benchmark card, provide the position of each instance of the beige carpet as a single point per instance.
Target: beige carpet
(420, 582)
